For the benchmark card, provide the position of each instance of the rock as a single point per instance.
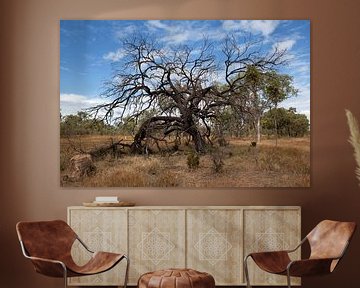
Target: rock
(81, 165)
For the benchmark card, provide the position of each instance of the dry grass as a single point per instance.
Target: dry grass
(74, 145)
(133, 171)
(267, 165)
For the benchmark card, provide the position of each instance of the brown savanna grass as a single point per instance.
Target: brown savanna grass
(267, 165)
(133, 171)
(69, 146)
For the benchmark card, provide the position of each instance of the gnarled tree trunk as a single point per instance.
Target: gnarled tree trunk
(197, 138)
(168, 124)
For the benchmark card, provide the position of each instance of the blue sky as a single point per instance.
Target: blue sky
(90, 49)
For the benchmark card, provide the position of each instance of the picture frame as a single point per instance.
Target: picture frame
(185, 103)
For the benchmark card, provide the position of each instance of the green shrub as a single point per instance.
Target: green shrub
(193, 160)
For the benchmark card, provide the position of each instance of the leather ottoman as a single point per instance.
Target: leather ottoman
(176, 278)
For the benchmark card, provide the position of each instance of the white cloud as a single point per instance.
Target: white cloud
(264, 27)
(64, 68)
(231, 25)
(157, 24)
(124, 32)
(181, 32)
(115, 56)
(174, 34)
(307, 113)
(75, 98)
(301, 68)
(177, 38)
(284, 45)
(72, 103)
(302, 101)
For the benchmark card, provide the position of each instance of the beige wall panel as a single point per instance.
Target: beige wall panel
(156, 240)
(214, 244)
(269, 230)
(101, 230)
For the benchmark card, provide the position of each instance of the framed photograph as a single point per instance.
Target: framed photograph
(185, 103)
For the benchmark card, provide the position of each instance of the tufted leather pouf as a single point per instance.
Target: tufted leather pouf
(176, 278)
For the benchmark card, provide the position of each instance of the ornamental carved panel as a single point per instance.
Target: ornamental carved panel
(156, 240)
(270, 230)
(214, 244)
(100, 230)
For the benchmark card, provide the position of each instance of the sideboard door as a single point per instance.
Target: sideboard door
(270, 230)
(214, 244)
(156, 240)
(101, 230)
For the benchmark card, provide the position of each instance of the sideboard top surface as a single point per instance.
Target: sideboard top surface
(193, 207)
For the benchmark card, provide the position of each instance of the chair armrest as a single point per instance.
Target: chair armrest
(309, 267)
(48, 267)
(268, 254)
(281, 251)
(83, 244)
(298, 246)
(45, 260)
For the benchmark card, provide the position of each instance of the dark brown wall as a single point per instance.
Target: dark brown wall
(29, 118)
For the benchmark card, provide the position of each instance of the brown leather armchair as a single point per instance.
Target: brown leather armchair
(328, 242)
(48, 245)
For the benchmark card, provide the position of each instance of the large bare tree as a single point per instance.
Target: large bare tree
(185, 85)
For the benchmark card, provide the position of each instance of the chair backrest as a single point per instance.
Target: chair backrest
(46, 239)
(329, 239)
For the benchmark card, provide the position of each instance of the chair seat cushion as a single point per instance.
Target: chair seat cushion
(176, 278)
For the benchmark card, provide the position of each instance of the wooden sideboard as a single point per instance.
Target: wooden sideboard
(212, 239)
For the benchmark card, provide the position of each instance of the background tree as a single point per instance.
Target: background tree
(265, 89)
(278, 87)
(289, 123)
(180, 83)
(256, 103)
(127, 126)
(83, 124)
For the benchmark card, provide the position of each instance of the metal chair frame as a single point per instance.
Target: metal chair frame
(288, 276)
(26, 255)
